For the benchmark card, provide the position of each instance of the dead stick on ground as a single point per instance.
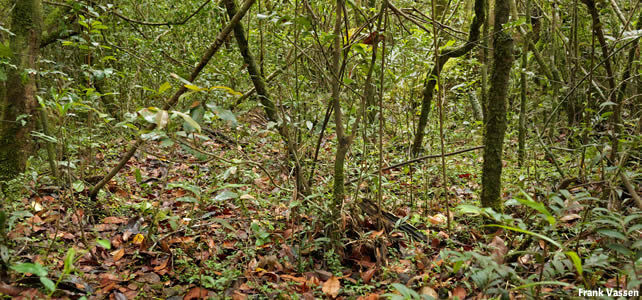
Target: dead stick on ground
(414, 160)
(220, 38)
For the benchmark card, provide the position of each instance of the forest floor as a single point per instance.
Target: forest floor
(224, 225)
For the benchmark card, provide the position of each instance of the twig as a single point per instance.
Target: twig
(414, 160)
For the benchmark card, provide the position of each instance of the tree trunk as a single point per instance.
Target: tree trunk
(18, 106)
(342, 140)
(431, 79)
(264, 98)
(495, 121)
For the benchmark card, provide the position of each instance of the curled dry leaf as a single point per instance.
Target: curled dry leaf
(367, 275)
(499, 249)
(437, 219)
(571, 217)
(118, 254)
(331, 287)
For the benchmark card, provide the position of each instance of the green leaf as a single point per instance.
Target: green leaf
(227, 89)
(35, 269)
(467, 209)
(222, 113)
(78, 186)
(69, 260)
(196, 190)
(187, 199)
(225, 195)
(532, 284)
(164, 87)
(577, 262)
(404, 290)
(194, 87)
(50, 285)
(556, 244)
(103, 243)
(189, 120)
(536, 206)
(224, 223)
(621, 249)
(612, 234)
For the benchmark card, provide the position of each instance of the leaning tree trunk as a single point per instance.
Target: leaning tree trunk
(18, 104)
(495, 121)
(431, 79)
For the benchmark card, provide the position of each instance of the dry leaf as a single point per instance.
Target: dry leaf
(163, 265)
(499, 249)
(247, 197)
(437, 219)
(369, 297)
(196, 293)
(331, 287)
(114, 220)
(459, 292)
(238, 296)
(294, 278)
(570, 217)
(118, 254)
(367, 275)
(426, 290)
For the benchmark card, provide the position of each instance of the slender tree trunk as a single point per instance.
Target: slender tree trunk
(18, 108)
(262, 94)
(485, 54)
(342, 139)
(615, 118)
(431, 79)
(495, 122)
(521, 151)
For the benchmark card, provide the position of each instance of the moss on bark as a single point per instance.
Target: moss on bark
(18, 103)
(495, 121)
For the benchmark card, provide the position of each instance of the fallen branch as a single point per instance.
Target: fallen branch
(414, 160)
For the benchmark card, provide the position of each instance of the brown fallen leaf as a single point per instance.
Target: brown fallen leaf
(9, 289)
(367, 275)
(196, 293)
(459, 292)
(437, 219)
(331, 287)
(162, 265)
(150, 278)
(238, 296)
(114, 220)
(499, 249)
(118, 254)
(294, 278)
(571, 217)
(369, 297)
(426, 290)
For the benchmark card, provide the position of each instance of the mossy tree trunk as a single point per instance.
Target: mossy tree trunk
(18, 102)
(495, 121)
